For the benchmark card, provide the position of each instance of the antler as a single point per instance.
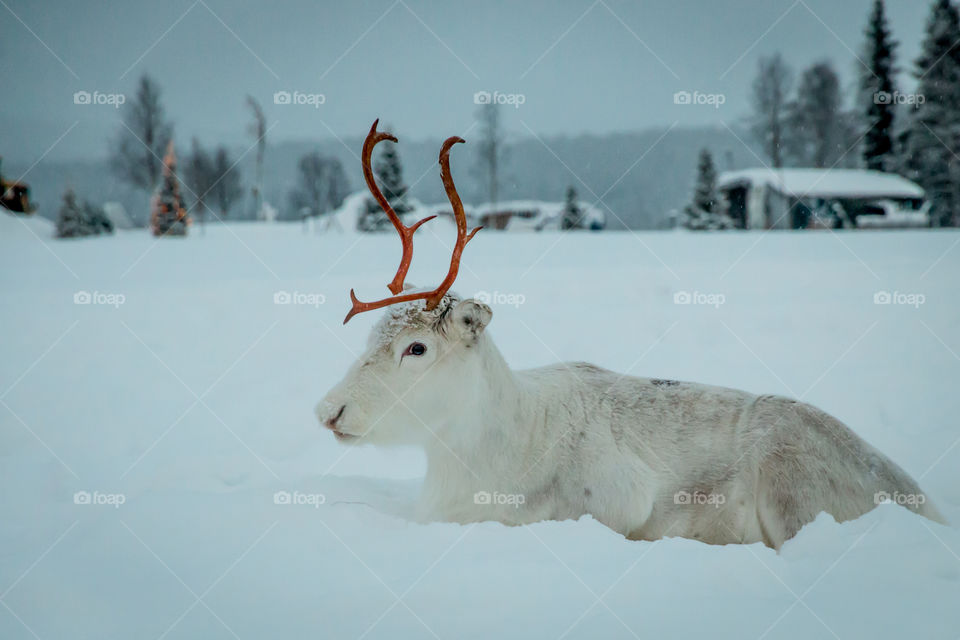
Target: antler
(434, 297)
(406, 233)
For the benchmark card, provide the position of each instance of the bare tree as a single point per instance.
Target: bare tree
(137, 152)
(770, 90)
(226, 187)
(199, 176)
(491, 150)
(321, 186)
(258, 129)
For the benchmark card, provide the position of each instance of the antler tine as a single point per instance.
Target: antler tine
(434, 297)
(461, 218)
(406, 233)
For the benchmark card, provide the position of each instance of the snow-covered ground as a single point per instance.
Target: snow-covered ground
(185, 392)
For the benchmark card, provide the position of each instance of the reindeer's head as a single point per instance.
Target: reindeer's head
(423, 349)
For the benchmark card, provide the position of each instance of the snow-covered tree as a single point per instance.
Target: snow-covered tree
(388, 171)
(572, 217)
(705, 211)
(76, 219)
(877, 91)
(932, 137)
(71, 223)
(771, 89)
(169, 216)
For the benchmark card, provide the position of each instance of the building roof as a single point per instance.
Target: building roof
(825, 183)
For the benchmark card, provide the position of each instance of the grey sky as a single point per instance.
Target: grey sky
(581, 66)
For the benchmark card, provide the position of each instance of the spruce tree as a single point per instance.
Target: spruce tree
(878, 92)
(572, 213)
(389, 172)
(705, 191)
(933, 132)
(169, 216)
(704, 212)
(71, 221)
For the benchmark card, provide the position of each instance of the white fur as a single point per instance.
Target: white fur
(573, 439)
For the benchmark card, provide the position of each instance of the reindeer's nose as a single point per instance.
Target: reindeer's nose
(332, 422)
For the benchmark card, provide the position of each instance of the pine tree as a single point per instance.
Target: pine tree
(79, 219)
(572, 213)
(71, 222)
(704, 212)
(169, 217)
(933, 133)
(705, 191)
(389, 172)
(876, 84)
(389, 175)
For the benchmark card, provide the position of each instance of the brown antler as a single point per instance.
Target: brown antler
(406, 233)
(432, 297)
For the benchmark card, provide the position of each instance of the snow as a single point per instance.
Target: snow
(826, 183)
(185, 406)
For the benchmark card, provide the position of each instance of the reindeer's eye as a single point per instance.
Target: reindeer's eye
(415, 349)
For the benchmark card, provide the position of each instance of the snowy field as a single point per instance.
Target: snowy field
(180, 401)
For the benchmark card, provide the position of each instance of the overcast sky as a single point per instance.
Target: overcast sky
(577, 66)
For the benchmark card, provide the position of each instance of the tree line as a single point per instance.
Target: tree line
(917, 135)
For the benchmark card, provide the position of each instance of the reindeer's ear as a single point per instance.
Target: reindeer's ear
(468, 319)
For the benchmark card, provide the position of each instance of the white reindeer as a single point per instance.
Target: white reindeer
(647, 457)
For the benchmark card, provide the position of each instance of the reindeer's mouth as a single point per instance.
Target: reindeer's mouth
(344, 437)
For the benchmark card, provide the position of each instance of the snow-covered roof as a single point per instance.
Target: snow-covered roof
(825, 183)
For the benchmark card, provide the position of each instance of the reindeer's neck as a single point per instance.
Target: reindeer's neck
(491, 437)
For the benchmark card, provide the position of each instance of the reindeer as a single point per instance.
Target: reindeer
(649, 458)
